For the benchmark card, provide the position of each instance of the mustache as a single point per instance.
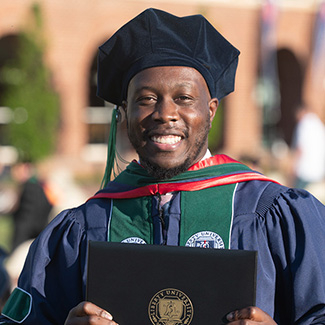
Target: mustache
(165, 131)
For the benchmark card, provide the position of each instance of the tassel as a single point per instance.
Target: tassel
(111, 147)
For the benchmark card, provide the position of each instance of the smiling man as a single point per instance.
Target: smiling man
(169, 74)
(169, 113)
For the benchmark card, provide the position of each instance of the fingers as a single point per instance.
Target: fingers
(250, 313)
(88, 313)
(88, 308)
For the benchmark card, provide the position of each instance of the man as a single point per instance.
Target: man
(309, 149)
(169, 74)
(5, 286)
(33, 207)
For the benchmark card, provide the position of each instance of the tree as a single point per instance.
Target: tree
(29, 93)
(216, 132)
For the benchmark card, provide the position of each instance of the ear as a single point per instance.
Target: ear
(213, 106)
(124, 106)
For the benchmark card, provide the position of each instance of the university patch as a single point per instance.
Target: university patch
(205, 239)
(133, 240)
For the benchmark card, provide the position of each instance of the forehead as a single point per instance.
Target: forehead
(169, 76)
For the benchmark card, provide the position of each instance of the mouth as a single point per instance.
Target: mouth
(166, 139)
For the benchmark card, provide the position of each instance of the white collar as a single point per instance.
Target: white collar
(207, 155)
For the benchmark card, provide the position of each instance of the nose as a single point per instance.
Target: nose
(165, 111)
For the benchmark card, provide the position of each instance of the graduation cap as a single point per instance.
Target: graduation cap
(157, 38)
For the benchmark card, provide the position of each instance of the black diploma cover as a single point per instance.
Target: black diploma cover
(168, 285)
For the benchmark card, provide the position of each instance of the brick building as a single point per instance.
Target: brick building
(75, 28)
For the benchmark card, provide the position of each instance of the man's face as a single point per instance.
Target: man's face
(169, 114)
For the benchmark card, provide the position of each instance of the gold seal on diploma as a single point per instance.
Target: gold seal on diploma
(170, 307)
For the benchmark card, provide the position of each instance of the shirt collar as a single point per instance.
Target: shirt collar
(207, 155)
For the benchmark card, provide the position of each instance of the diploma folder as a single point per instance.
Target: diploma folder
(168, 285)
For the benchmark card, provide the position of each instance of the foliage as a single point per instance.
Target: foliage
(29, 94)
(216, 132)
(6, 230)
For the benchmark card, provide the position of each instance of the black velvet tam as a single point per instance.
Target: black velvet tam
(157, 38)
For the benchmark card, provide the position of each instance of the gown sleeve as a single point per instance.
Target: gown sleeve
(53, 280)
(287, 228)
(295, 226)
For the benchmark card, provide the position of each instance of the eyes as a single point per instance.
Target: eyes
(153, 99)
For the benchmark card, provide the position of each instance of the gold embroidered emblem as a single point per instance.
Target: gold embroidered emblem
(170, 307)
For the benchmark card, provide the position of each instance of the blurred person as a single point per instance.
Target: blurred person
(33, 206)
(5, 285)
(15, 260)
(7, 193)
(309, 149)
(169, 74)
(64, 190)
(5, 288)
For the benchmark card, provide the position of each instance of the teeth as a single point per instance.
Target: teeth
(167, 139)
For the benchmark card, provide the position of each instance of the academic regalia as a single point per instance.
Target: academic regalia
(286, 226)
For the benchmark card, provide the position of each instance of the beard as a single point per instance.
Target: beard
(161, 173)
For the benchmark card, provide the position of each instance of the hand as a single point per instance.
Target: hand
(250, 315)
(87, 313)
